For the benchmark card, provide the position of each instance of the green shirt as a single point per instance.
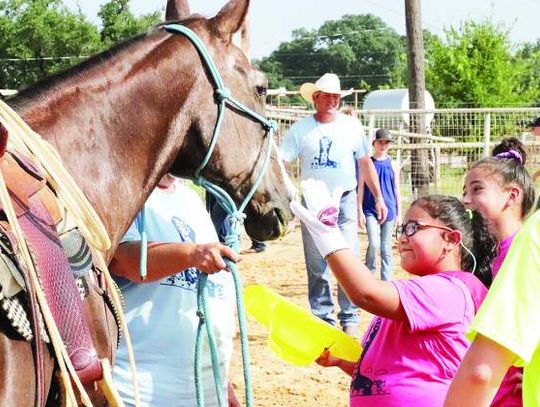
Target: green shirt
(510, 314)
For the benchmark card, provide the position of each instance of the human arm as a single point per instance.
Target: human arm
(289, 148)
(327, 360)
(363, 289)
(165, 259)
(397, 180)
(360, 200)
(507, 325)
(480, 374)
(367, 169)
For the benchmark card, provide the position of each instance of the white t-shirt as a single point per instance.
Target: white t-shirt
(327, 151)
(161, 316)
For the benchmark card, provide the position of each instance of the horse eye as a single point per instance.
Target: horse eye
(261, 90)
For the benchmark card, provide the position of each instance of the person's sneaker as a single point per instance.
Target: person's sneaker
(351, 330)
(256, 247)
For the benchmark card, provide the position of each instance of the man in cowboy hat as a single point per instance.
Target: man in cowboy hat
(535, 126)
(329, 145)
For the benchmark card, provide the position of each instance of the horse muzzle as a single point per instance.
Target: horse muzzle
(269, 226)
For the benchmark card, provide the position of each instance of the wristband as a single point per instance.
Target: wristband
(379, 198)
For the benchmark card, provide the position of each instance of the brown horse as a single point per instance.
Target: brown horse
(122, 119)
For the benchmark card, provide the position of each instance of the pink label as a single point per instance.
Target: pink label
(328, 216)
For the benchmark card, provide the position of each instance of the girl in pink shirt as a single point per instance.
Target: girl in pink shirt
(501, 189)
(414, 345)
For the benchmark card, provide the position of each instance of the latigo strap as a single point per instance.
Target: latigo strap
(55, 274)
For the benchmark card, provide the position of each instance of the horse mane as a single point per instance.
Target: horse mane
(39, 88)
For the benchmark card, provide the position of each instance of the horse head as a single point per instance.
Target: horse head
(122, 119)
(147, 106)
(241, 146)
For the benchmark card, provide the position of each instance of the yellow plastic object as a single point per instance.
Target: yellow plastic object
(260, 302)
(296, 335)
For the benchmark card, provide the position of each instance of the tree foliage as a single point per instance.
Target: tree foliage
(361, 49)
(37, 36)
(474, 66)
(529, 56)
(119, 23)
(41, 37)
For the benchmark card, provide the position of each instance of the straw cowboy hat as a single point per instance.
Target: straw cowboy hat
(328, 83)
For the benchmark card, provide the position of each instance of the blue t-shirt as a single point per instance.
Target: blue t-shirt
(327, 151)
(385, 173)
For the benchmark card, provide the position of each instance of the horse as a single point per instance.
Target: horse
(121, 120)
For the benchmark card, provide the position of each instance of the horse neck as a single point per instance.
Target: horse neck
(117, 130)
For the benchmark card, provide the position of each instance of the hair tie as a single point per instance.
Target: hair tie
(512, 155)
(469, 213)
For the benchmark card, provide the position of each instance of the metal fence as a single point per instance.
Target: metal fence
(454, 139)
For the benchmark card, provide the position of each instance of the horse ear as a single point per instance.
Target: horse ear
(244, 36)
(176, 10)
(230, 18)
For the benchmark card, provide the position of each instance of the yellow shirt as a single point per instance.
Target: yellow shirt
(510, 314)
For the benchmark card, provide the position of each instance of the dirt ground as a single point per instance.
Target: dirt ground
(277, 383)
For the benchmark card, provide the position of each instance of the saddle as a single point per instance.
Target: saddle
(62, 261)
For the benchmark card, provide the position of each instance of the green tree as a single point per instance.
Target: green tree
(39, 37)
(529, 55)
(361, 49)
(474, 66)
(399, 76)
(119, 23)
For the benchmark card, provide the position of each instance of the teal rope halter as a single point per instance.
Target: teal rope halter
(235, 217)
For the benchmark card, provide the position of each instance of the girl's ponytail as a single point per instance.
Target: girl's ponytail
(484, 247)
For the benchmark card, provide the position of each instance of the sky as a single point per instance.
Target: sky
(272, 21)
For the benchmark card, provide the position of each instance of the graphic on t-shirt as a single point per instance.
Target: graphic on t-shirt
(362, 385)
(323, 160)
(188, 278)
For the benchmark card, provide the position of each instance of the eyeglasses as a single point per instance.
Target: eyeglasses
(411, 227)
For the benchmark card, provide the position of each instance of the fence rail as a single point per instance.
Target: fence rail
(454, 138)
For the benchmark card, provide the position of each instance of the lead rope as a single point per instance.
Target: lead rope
(235, 217)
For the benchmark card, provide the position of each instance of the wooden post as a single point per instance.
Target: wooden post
(399, 142)
(487, 134)
(371, 128)
(437, 168)
(417, 88)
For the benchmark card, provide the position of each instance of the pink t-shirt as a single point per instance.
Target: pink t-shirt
(411, 363)
(506, 395)
(497, 262)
